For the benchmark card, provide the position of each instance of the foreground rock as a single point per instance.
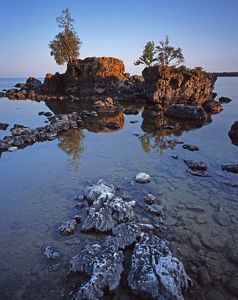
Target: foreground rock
(230, 168)
(212, 106)
(233, 133)
(143, 177)
(154, 272)
(188, 112)
(103, 267)
(68, 227)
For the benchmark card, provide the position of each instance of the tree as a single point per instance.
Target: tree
(148, 56)
(66, 44)
(167, 53)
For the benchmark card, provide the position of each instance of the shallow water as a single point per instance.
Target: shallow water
(39, 183)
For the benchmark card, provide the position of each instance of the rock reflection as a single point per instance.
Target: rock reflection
(71, 143)
(160, 132)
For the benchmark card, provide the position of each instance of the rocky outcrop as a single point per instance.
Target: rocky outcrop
(233, 133)
(188, 112)
(166, 85)
(212, 106)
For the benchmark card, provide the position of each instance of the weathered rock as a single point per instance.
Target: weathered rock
(190, 147)
(212, 106)
(123, 235)
(3, 126)
(105, 213)
(150, 199)
(155, 273)
(232, 285)
(224, 100)
(102, 266)
(196, 165)
(230, 168)
(51, 253)
(203, 275)
(101, 190)
(168, 85)
(68, 227)
(188, 112)
(143, 178)
(233, 133)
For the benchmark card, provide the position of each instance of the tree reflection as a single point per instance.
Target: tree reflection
(71, 143)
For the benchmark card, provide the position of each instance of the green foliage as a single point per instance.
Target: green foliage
(66, 44)
(147, 58)
(197, 70)
(183, 69)
(167, 54)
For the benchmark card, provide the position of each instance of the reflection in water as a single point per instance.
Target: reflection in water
(158, 127)
(71, 143)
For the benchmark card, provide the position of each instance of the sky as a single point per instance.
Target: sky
(206, 30)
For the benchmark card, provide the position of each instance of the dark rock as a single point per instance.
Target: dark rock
(214, 295)
(198, 173)
(113, 125)
(3, 126)
(68, 227)
(190, 147)
(175, 156)
(41, 113)
(203, 276)
(195, 242)
(233, 133)
(230, 168)
(134, 121)
(212, 106)
(196, 165)
(232, 285)
(224, 100)
(33, 83)
(188, 112)
(150, 199)
(102, 267)
(155, 273)
(48, 114)
(51, 253)
(131, 111)
(221, 218)
(20, 85)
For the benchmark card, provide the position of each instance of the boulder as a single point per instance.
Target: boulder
(143, 177)
(3, 126)
(230, 168)
(233, 132)
(99, 191)
(187, 112)
(155, 273)
(197, 167)
(33, 84)
(212, 106)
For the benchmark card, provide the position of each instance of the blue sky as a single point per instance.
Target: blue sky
(206, 30)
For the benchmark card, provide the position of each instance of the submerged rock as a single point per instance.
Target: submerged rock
(212, 106)
(196, 165)
(68, 227)
(190, 147)
(233, 132)
(189, 112)
(150, 199)
(51, 253)
(230, 168)
(143, 178)
(155, 273)
(105, 213)
(102, 266)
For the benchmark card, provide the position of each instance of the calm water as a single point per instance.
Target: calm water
(39, 183)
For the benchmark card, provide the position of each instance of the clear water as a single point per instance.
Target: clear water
(38, 185)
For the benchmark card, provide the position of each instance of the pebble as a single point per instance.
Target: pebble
(143, 177)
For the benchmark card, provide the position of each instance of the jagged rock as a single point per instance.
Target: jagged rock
(233, 133)
(212, 106)
(143, 177)
(167, 85)
(100, 190)
(188, 112)
(102, 266)
(196, 165)
(230, 168)
(224, 100)
(105, 213)
(190, 147)
(68, 227)
(123, 235)
(51, 253)
(150, 199)
(155, 273)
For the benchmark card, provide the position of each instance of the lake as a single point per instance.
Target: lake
(39, 184)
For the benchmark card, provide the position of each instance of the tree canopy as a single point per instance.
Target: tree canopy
(66, 44)
(148, 56)
(166, 54)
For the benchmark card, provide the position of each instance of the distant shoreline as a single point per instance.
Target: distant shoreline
(225, 74)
